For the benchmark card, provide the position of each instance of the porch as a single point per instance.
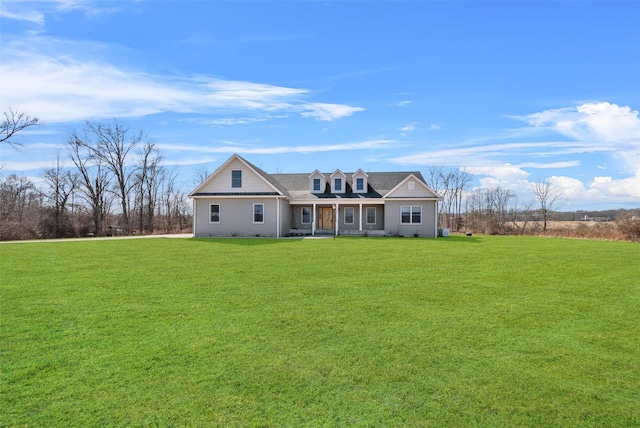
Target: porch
(352, 217)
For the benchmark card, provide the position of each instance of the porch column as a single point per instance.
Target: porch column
(337, 217)
(315, 219)
(360, 218)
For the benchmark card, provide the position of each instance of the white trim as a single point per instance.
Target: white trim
(277, 217)
(253, 214)
(353, 215)
(195, 219)
(302, 215)
(375, 215)
(411, 223)
(422, 183)
(219, 216)
(222, 168)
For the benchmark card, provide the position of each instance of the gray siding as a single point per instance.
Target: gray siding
(393, 218)
(236, 217)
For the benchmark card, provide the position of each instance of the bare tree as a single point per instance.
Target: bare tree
(94, 179)
(61, 185)
(148, 181)
(110, 145)
(460, 180)
(548, 197)
(451, 185)
(488, 210)
(14, 122)
(201, 174)
(20, 207)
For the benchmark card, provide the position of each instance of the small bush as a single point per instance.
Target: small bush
(629, 227)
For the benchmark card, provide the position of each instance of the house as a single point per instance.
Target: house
(239, 199)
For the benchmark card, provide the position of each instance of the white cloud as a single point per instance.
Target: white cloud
(21, 13)
(243, 149)
(410, 127)
(603, 128)
(403, 103)
(434, 127)
(596, 127)
(59, 81)
(328, 112)
(36, 11)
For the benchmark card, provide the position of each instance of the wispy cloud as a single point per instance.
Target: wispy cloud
(587, 128)
(60, 81)
(18, 11)
(36, 11)
(243, 149)
(410, 127)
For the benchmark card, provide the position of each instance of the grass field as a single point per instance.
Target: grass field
(459, 331)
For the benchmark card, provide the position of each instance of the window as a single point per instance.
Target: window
(236, 178)
(371, 215)
(316, 184)
(359, 184)
(306, 215)
(411, 215)
(348, 215)
(215, 213)
(338, 185)
(258, 213)
(412, 185)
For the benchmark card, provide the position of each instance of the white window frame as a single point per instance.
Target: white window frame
(237, 180)
(359, 180)
(313, 185)
(375, 214)
(254, 214)
(353, 215)
(411, 211)
(210, 213)
(302, 215)
(337, 181)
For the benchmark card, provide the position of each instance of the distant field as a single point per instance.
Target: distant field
(459, 331)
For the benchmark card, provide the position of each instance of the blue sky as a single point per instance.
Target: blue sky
(512, 91)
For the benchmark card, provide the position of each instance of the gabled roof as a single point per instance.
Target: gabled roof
(277, 187)
(296, 186)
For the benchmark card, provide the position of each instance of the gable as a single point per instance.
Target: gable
(412, 187)
(236, 176)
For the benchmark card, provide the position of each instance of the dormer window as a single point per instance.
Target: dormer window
(337, 185)
(359, 181)
(316, 182)
(338, 182)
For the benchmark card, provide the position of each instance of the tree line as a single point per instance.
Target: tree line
(117, 185)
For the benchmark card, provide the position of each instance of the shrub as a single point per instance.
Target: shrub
(629, 226)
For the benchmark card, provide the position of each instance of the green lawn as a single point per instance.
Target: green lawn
(459, 331)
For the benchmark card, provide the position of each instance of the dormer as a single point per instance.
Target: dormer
(359, 181)
(316, 182)
(338, 182)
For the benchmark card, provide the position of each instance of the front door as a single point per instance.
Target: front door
(326, 218)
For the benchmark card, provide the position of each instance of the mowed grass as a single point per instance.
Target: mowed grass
(459, 331)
